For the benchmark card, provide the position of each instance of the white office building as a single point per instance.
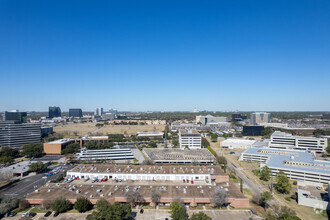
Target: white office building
(209, 119)
(190, 138)
(232, 143)
(105, 154)
(282, 140)
(260, 117)
(297, 165)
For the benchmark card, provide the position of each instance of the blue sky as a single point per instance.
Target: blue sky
(165, 55)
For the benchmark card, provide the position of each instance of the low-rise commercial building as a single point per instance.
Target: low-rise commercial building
(191, 139)
(312, 197)
(150, 134)
(282, 140)
(189, 194)
(232, 143)
(105, 154)
(15, 134)
(179, 156)
(56, 147)
(108, 116)
(297, 165)
(149, 172)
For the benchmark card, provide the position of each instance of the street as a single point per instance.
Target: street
(30, 183)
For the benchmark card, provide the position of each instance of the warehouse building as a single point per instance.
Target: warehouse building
(297, 165)
(282, 140)
(179, 156)
(191, 139)
(149, 172)
(190, 194)
(232, 143)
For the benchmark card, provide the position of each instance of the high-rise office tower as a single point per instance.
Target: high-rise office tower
(98, 112)
(75, 112)
(260, 117)
(15, 116)
(54, 112)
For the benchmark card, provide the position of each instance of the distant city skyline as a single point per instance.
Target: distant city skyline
(165, 55)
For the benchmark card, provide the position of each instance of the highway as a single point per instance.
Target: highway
(29, 184)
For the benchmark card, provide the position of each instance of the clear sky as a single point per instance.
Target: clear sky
(165, 55)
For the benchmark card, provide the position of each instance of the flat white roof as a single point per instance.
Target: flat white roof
(61, 141)
(238, 141)
(95, 137)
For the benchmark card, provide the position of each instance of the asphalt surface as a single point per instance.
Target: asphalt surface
(29, 184)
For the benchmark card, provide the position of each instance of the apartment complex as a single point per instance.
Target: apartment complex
(15, 134)
(282, 140)
(15, 116)
(260, 117)
(297, 165)
(54, 112)
(75, 112)
(191, 139)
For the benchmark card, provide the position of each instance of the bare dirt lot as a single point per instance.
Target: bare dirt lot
(83, 129)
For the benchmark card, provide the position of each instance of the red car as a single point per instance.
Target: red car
(184, 180)
(192, 182)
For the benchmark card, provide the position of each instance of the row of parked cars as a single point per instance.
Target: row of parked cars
(32, 214)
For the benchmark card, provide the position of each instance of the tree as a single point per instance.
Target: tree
(37, 167)
(227, 135)
(214, 137)
(265, 173)
(71, 148)
(9, 152)
(200, 216)
(133, 197)
(32, 150)
(283, 184)
(219, 198)
(155, 197)
(175, 141)
(178, 211)
(152, 144)
(265, 197)
(267, 132)
(106, 211)
(222, 160)
(60, 205)
(6, 159)
(83, 205)
(205, 143)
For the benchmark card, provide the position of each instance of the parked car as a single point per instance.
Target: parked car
(32, 214)
(232, 152)
(47, 214)
(141, 211)
(56, 214)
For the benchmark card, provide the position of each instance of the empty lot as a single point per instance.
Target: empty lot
(83, 129)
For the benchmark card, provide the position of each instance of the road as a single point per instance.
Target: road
(29, 184)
